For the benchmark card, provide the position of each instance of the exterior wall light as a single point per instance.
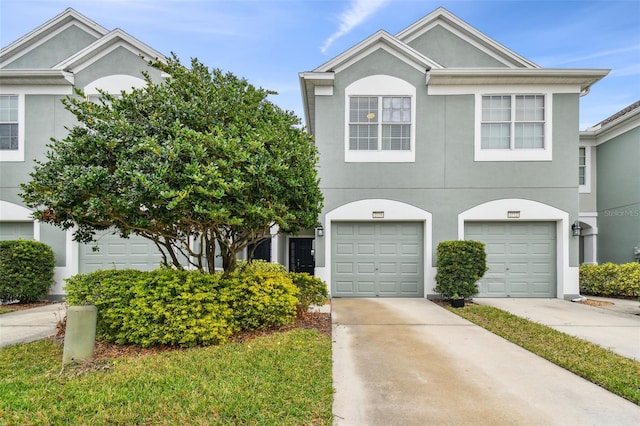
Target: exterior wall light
(575, 229)
(320, 231)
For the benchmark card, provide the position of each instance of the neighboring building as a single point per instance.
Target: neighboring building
(36, 73)
(441, 133)
(610, 189)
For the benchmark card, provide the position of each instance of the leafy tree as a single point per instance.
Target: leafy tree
(202, 164)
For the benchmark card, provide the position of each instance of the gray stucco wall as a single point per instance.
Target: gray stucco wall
(618, 197)
(444, 179)
(451, 51)
(51, 52)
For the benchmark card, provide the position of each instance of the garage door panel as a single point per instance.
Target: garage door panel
(344, 229)
(343, 286)
(16, 231)
(387, 257)
(365, 268)
(520, 257)
(119, 253)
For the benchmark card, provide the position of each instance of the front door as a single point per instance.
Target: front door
(301, 255)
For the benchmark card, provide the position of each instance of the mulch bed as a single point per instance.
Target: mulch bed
(104, 350)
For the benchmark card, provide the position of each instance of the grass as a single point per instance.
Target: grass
(282, 378)
(4, 310)
(601, 366)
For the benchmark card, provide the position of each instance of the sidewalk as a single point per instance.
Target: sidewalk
(30, 324)
(615, 327)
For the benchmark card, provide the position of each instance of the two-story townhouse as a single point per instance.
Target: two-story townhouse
(36, 72)
(609, 173)
(441, 133)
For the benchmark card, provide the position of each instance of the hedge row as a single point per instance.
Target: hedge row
(189, 308)
(26, 270)
(610, 279)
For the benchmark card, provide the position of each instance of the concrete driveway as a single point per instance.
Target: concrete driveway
(411, 362)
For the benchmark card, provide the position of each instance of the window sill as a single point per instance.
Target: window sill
(380, 157)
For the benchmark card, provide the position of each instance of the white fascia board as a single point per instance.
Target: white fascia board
(47, 31)
(621, 125)
(403, 51)
(105, 45)
(466, 32)
(581, 78)
(39, 78)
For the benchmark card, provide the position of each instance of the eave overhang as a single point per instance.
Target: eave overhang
(38, 77)
(583, 78)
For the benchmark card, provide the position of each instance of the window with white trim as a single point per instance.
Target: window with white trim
(513, 122)
(9, 140)
(380, 120)
(514, 125)
(380, 123)
(584, 169)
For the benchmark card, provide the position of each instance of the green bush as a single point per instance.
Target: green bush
(261, 265)
(260, 299)
(26, 270)
(161, 307)
(460, 265)
(610, 279)
(312, 290)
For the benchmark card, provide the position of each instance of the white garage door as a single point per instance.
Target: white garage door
(119, 253)
(372, 259)
(521, 257)
(16, 231)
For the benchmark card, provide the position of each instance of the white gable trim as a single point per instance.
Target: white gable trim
(466, 32)
(101, 48)
(47, 31)
(380, 39)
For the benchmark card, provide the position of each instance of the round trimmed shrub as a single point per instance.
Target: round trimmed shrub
(312, 290)
(26, 270)
(460, 265)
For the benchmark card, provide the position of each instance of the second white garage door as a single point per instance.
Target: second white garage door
(371, 259)
(521, 257)
(119, 253)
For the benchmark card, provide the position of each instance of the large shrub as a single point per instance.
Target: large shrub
(610, 279)
(161, 307)
(312, 290)
(260, 297)
(460, 265)
(26, 270)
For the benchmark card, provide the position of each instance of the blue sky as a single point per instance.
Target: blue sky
(270, 41)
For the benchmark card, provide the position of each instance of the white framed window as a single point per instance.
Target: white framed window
(584, 169)
(513, 127)
(380, 120)
(11, 127)
(380, 123)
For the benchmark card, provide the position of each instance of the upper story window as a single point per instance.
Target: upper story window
(584, 169)
(379, 120)
(513, 127)
(9, 122)
(513, 122)
(380, 123)
(11, 127)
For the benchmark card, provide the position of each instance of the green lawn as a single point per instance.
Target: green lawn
(601, 366)
(282, 378)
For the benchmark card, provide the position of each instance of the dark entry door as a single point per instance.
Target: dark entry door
(301, 255)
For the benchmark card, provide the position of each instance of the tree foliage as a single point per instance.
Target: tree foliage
(202, 164)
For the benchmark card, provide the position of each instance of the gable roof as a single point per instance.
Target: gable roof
(46, 31)
(106, 41)
(104, 45)
(442, 17)
(619, 123)
(380, 40)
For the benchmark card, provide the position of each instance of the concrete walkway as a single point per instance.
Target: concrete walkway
(615, 326)
(30, 324)
(410, 362)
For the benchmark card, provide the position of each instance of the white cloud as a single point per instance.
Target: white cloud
(358, 11)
